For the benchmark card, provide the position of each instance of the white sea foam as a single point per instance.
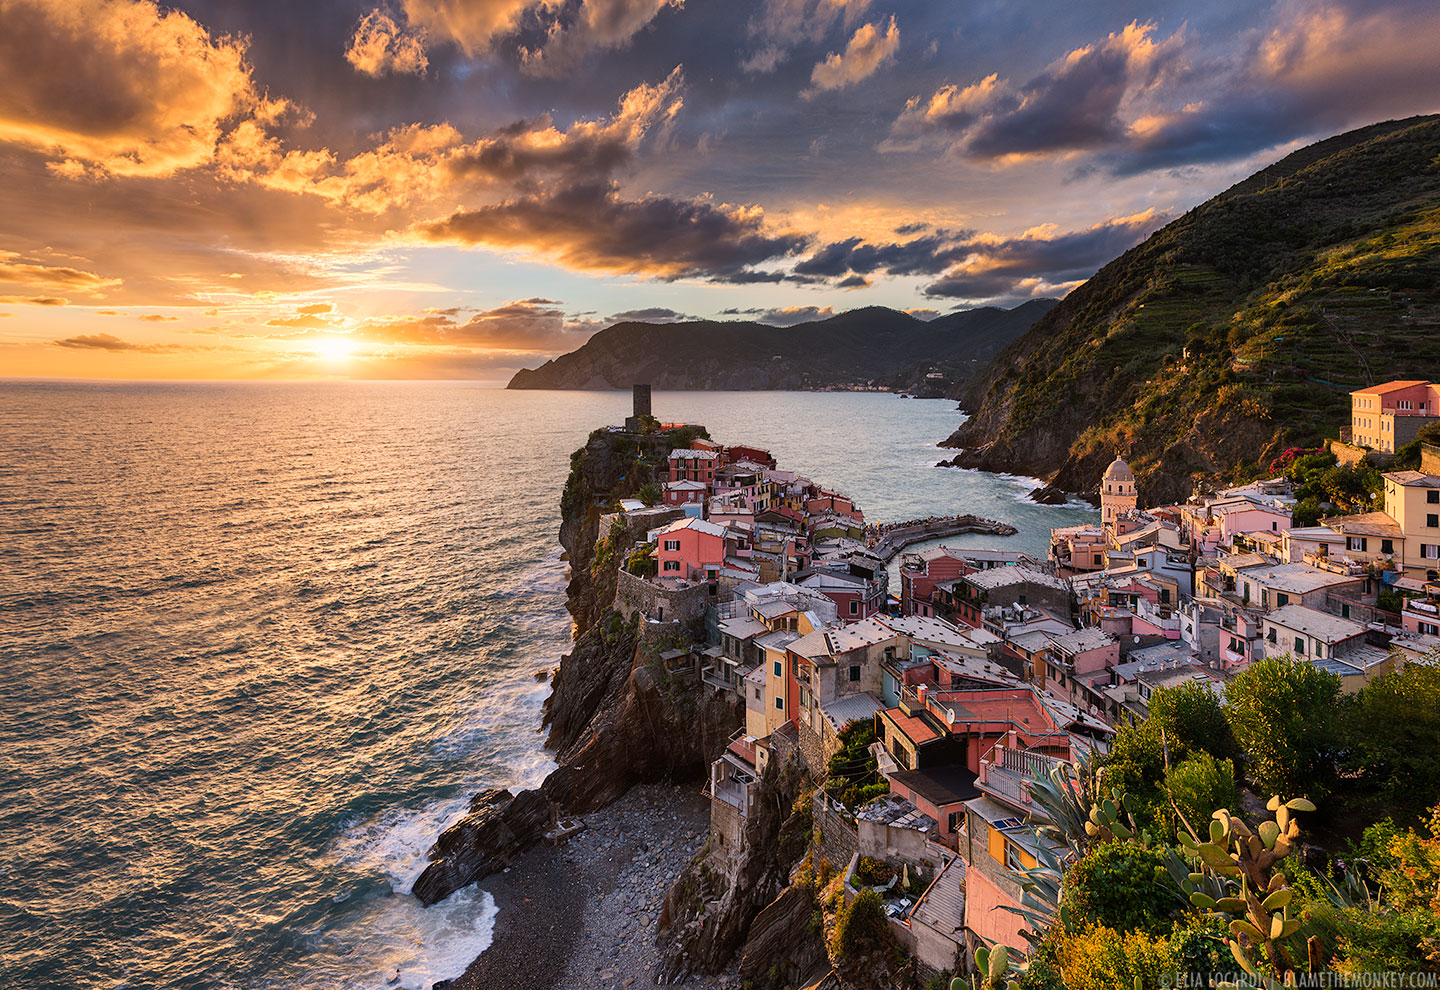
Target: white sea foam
(396, 935)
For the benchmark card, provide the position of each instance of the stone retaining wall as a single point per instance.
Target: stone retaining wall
(835, 840)
(658, 604)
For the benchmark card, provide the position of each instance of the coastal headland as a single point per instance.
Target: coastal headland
(636, 714)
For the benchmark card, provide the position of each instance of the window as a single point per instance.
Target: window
(672, 565)
(1344, 610)
(1271, 636)
(1355, 543)
(1432, 497)
(1430, 551)
(1012, 858)
(779, 669)
(854, 607)
(757, 694)
(854, 672)
(1429, 629)
(672, 545)
(1387, 546)
(1432, 520)
(1281, 599)
(1098, 560)
(1299, 646)
(779, 704)
(1022, 597)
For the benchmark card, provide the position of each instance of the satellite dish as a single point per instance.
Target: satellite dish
(1137, 639)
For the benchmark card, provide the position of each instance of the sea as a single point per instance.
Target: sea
(259, 643)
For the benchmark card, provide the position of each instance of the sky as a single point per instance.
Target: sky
(460, 188)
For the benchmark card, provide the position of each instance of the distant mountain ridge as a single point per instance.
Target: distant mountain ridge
(1233, 332)
(870, 346)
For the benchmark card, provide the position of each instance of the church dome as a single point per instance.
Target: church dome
(1119, 471)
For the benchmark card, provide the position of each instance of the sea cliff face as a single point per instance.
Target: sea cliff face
(616, 717)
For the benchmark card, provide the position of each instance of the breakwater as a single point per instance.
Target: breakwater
(890, 539)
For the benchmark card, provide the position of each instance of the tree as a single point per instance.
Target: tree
(650, 493)
(1199, 785)
(1394, 732)
(1193, 718)
(1285, 714)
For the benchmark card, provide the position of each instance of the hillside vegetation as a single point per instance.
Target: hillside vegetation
(1234, 332)
(863, 347)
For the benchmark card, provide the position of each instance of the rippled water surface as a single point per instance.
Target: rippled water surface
(258, 643)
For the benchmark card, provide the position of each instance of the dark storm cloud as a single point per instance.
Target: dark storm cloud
(1041, 262)
(651, 314)
(592, 227)
(919, 256)
(1134, 101)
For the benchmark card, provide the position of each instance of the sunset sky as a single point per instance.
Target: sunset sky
(457, 188)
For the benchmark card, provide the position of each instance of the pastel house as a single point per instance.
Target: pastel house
(1387, 417)
(691, 550)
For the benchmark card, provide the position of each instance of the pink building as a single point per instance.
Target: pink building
(1387, 417)
(691, 550)
(693, 465)
(685, 493)
(833, 503)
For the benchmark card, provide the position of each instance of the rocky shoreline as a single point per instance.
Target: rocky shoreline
(584, 913)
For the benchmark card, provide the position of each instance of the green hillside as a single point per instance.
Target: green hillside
(1235, 331)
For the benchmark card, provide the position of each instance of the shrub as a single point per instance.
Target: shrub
(1121, 886)
(861, 928)
(1100, 958)
(1200, 784)
(1389, 942)
(1395, 734)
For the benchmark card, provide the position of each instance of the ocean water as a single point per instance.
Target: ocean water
(260, 642)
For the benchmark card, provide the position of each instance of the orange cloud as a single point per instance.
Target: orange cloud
(62, 275)
(864, 54)
(121, 87)
(380, 47)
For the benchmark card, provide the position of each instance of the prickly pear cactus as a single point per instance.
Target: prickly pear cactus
(1242, 867)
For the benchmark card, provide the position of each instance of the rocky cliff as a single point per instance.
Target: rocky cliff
(709, 912)
(1233, 332)
(616, 715)
(867, 347)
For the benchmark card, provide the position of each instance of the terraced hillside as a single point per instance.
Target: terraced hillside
(1234, 331)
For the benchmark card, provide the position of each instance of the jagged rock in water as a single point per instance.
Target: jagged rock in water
(783, 947)
(1048, 495)
(497, 828)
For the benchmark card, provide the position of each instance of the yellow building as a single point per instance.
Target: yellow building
(1412, 499)
(1387, 417)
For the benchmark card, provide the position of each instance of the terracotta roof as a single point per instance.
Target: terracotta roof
(1387, 387)
(916, 730)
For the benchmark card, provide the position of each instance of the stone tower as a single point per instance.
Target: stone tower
(1117, 493)
(640, 396)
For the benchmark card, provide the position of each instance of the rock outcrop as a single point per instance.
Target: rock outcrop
(617, 716)
(709, 912)
(784, 946)
(498, 826)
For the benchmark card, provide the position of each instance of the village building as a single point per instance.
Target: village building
(1117, 494)
(1389, 416)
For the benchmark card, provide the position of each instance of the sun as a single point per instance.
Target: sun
(334, 348)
